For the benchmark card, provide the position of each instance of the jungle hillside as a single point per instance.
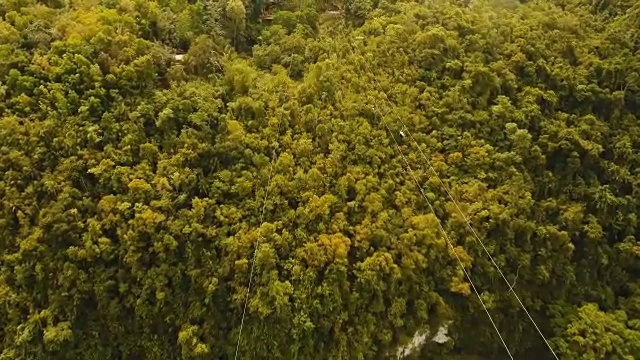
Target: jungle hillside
(317, 179)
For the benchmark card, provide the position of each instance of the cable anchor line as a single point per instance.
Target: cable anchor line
(264, 205)
(466, 220)
(438, 221)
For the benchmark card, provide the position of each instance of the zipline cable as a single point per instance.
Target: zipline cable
(466, 220)
(475, 234)
(264, 204)
(448, 240)
(444, 232)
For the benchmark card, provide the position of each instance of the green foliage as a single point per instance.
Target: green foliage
(133, 183)
(594, 334)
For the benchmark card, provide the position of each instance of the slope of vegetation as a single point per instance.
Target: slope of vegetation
(133, 185)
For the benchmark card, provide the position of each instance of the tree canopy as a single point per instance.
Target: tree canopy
(140, 189)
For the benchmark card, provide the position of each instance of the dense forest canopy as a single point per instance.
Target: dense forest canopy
(139, 188)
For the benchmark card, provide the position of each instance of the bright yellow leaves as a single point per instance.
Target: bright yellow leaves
(319, 208)
(139, 186)
(236, 12)
(460, 283)
(236, 132)
(107, 203)
(326, 250)
(190, 342)
(376, 267)
(55, 335)
(423, 222)
(460, 287)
